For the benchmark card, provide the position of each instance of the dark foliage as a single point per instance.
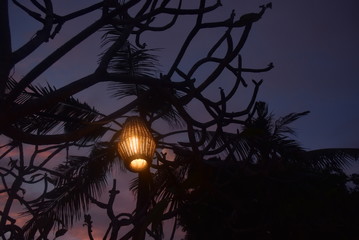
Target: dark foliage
(286, 204)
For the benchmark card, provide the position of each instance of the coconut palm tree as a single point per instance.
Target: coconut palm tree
(268, 187)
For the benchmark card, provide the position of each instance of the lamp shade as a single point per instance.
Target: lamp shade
(136, 145)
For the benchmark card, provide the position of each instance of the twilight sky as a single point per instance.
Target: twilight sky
(314, 46)
(315, 49)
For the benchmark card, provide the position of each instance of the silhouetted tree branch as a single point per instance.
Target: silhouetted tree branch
(45, 126)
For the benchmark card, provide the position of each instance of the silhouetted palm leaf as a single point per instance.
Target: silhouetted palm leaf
(132, 61)
(281, 125)
(270, 139)
(112, 33)
(128, 59)
(82, 178)
(332, 158)
(67, 115)
(228, 145)
(169, 186)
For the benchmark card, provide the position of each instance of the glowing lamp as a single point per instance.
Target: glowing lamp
(136, 145)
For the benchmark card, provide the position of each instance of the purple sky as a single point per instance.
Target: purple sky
(315, 49)
(314, 46)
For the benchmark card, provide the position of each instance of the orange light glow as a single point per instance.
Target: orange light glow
(138, 165)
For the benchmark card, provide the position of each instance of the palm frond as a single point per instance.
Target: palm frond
(168, 184)
(272, 137)
(133, 62)
(10, 84)
(281, 125)
(67, 115)
(161, 107)
(43, 224)
(234, 145)
(83, 178)
(332, 158)
(121, 90)
(111, 34)
(128, 59)
(269, 138)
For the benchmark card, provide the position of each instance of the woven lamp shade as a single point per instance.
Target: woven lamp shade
(136, 145)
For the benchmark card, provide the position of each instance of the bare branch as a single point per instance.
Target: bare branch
(61, 51)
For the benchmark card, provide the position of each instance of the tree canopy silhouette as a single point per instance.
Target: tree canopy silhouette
(277, 191)
(218, 145)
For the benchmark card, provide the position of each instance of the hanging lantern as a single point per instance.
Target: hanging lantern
(136, 145)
